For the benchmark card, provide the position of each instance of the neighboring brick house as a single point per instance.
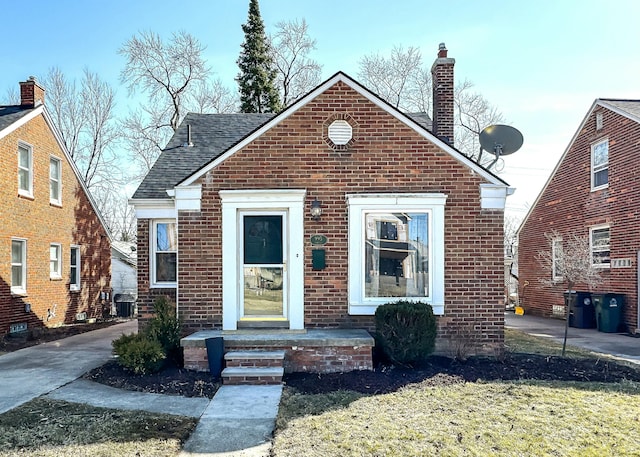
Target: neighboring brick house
(55, 247)
(225, 216)
(594, 191)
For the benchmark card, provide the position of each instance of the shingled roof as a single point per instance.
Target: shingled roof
(12, 113)
(211, 135)
(631, 107)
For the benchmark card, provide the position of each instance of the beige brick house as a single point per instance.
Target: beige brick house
(594, 191)
(311, 218)
(55, 247)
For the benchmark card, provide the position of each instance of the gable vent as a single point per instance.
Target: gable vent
(340, 132)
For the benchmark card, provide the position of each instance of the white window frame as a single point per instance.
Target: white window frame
(74, 283)
(359, 204)
(56, 200)
(556, 253)
(600, 249)
(55, 270)
(599, 167)
(22, 288)
(26, 192)
(153, 241)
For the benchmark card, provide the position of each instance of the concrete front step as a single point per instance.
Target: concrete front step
(237, 359)
(252, 375)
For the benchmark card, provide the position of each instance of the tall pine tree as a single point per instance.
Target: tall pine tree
(257, 77)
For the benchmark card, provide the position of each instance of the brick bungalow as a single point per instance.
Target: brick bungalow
(56, 248)
(595, 191)
(309, 219)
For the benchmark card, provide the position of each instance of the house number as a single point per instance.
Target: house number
(318, 239)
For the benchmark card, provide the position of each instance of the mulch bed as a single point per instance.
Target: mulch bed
(171, 380)
(444, 371)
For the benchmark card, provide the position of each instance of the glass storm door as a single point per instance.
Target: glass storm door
(263, 266)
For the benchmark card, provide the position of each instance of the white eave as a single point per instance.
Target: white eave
(154, 208)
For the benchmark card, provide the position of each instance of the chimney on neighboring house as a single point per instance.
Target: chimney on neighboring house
(442, 80)
(31, 93)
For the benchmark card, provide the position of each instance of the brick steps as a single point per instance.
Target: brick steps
(253, 367)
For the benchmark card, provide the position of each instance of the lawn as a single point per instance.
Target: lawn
(500, 418)
(51, 428)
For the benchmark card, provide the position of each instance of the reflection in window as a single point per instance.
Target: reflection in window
(396, 254)
(166, 252)
(600, 164)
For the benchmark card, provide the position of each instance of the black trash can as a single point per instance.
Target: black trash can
(609, 312)
(215, 355)
(582, 313)
(124, 304)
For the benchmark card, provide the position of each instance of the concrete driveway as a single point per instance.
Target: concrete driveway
(31, 372)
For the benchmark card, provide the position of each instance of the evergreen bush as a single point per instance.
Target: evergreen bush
(139, 353)
(165, 327)
(406, 331)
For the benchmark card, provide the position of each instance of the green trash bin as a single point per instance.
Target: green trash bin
(608, 311)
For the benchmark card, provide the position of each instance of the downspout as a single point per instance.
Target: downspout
(638, 294)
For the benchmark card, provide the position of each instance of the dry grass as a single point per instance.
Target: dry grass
(471, 419)
(48, 428)
(506, 419)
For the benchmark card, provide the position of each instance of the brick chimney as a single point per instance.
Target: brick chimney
(31, 93)
(442, 80)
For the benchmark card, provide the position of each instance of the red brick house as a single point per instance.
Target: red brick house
(56, 249)
(311, 218)
(595, 191)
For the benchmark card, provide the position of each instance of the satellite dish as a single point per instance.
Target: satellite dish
(501, 140)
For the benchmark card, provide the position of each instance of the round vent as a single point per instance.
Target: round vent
(340, 132)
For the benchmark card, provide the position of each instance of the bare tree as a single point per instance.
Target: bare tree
(403, 80)
(144, 138)
(165, 72)
(473, 113)
(174, 77)
(213, 97)
(86, 121)
(391, 78)
(11, 97)
(297, 74)
(570, 262)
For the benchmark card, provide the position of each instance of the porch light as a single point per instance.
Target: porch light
(316, 210)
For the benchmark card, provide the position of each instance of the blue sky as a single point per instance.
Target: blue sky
(542, 63)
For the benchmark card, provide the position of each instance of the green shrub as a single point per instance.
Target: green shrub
(406, 331)
(139, 353)
(165, 327)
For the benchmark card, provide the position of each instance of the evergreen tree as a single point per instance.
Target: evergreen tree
(257, 77)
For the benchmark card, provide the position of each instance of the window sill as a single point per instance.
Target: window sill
(360, 309)
(595, 189)
(19, 293)
(168, 285)
(55, 278)
(74, 289)
(56, 204)
(26, 196)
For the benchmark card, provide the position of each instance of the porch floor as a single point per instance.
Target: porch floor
(312, 350)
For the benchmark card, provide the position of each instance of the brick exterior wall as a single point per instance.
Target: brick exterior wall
(385, 156)
(443, 93)
(569, 206)
(42, 223)
(309, 359)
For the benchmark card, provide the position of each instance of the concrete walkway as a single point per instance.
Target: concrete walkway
(238, 421)
(619, 345)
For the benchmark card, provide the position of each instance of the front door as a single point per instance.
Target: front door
(263, 267)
